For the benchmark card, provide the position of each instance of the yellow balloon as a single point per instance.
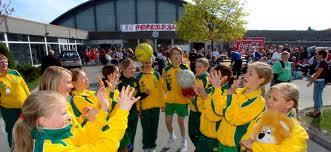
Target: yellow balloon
(143, 52)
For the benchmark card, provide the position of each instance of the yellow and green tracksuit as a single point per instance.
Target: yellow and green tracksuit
(297, 142)
(174, 100)
(211, 118)
(150, 106)
(113, 107)
(62, 140)
(195, 110)
(133, 117)
(83, 99)
(13, 92)
(241, 109)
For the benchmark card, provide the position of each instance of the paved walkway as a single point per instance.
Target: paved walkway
(306, 96)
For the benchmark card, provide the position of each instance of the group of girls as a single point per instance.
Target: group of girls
(66, 116)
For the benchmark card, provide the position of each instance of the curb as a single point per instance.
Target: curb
(314, 133)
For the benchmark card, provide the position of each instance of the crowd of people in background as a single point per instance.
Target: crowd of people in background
(105, 118)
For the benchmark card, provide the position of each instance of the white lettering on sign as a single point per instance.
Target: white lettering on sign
(147, 27)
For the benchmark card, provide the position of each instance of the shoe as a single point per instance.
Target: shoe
(170, 141)
(183, 146)
(313, 114)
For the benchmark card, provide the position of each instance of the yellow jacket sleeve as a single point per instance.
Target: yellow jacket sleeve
(296, 143)
(239, 114)
(219, 101)
(104, 141)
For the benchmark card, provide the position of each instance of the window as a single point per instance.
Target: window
(34, 38)
(52, 39)
(20, 52)
(38, 51)
(2, 37)
(17, 37)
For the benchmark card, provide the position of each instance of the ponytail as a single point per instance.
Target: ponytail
(22, 138)
(262, 90)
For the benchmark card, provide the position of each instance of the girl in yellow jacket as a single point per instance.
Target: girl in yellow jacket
(201, 81)
(243, 106)
(150, 91)
(58, 79)
(282, 98)
(43, 126)
(111, 76)
(82, 99)
(175, 102)
(13, 92)
(219, 77)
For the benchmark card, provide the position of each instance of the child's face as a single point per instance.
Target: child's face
(82, 82)
(277, 102)
(252, 79)
(176, 58)
(58, 118)
(148, 64)
(3, 63)
(200, 68)
(130, 70)
(116, 73)
(65, 85)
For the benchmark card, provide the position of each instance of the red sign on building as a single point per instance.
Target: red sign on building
(248, 42)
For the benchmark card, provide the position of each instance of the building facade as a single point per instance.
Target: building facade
(125, 22)
(28, 41)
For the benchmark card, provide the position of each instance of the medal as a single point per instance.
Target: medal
(7, 91)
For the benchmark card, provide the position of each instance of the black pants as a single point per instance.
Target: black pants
(150, 125)
(236, 69)
(10, 116)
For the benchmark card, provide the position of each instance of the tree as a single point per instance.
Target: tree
(5, 9)
(213, 20)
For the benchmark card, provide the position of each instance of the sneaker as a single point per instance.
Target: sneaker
(183, 146)
(170, 141)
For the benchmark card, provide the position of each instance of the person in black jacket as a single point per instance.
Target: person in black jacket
(49, 60)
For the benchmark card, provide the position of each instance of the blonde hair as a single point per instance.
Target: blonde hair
(289, 92)
(75, 72)
(38, 104)
(263, 70)
(51, 78)
(203, 61)
(175, 48)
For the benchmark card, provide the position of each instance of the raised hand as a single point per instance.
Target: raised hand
(215, 78)
(126, 99)
(113, 82)
(101, 95)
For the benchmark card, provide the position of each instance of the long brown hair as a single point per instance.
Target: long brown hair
(38, 104)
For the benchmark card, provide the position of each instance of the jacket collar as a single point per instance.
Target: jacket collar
(52, 134)
(83, 92)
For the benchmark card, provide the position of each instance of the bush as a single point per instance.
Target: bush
(28, 72)
(4, 50)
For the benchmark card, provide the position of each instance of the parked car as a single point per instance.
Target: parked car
(70, 59)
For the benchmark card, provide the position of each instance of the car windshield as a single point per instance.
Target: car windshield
(69, 54)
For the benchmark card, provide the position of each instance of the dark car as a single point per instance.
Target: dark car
(70, 59)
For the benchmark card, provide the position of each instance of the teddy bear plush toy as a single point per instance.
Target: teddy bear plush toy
(272, 128)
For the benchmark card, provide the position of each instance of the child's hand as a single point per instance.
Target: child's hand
(126, 99)
(247, 144)
(102, 99)
(165, 75)
(233, 87)
(215, 78)
(90, 113)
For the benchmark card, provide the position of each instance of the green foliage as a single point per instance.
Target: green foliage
(28, 72)
(214, 20)
(4, 50)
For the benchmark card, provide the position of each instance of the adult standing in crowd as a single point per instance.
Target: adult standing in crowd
(277, 54)
(282, 69)
(49, 60)
(318, 79)
(13, 92)
(236, 61)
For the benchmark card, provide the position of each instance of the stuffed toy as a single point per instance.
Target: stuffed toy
(272, 128)
(185, 79)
